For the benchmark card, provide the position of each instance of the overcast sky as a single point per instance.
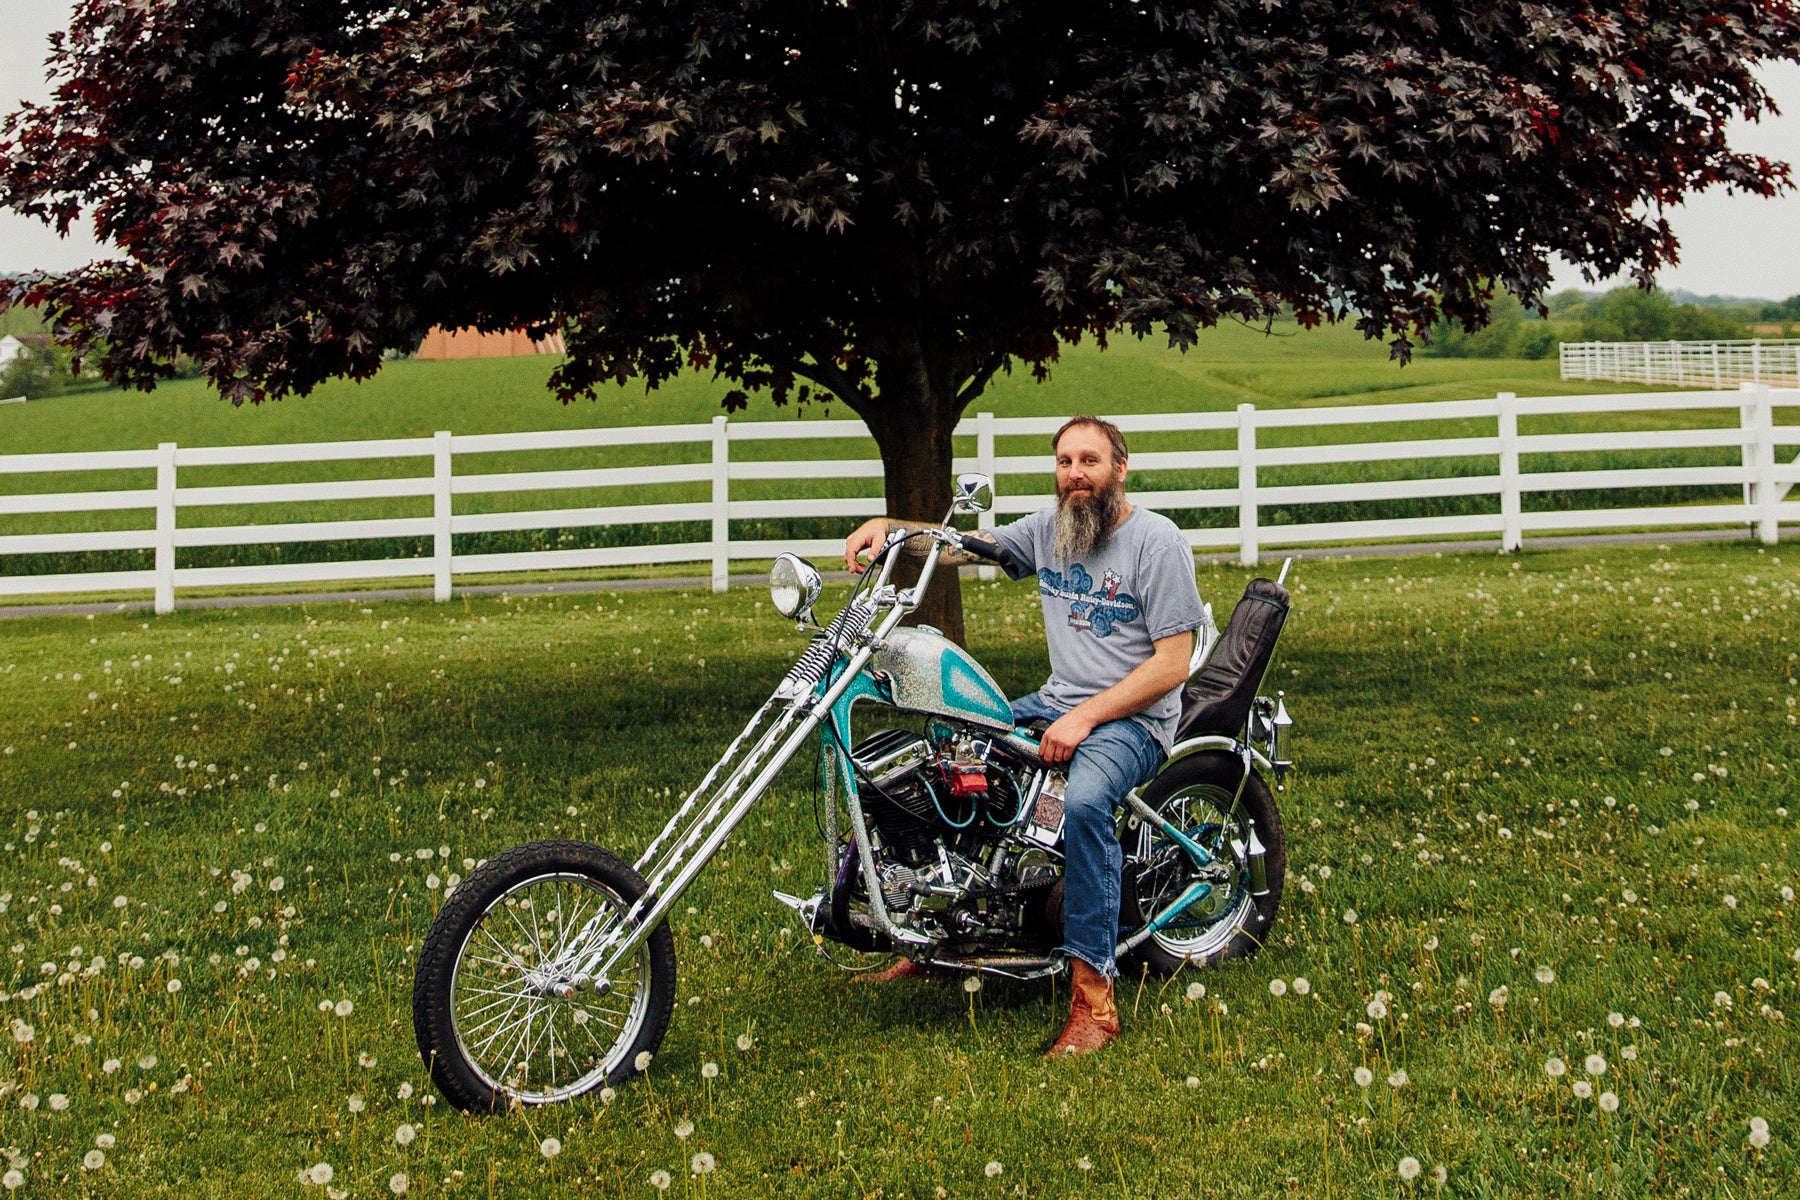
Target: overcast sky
(1731, 245)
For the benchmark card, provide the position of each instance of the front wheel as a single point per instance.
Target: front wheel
(498, 1018)
(1199, 795)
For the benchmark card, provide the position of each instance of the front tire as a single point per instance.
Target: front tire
(1197, 795)
(491, 1030)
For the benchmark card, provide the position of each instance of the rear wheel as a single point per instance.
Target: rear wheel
(498, 1020)
(1200, 796)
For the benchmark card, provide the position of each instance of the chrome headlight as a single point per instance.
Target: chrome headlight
(794, 586)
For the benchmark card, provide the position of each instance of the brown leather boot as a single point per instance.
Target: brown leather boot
(1093, 1018)
(904, 968)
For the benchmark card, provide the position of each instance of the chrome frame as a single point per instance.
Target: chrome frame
(708, 814)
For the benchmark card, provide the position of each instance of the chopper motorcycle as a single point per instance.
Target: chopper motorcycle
(549, 972)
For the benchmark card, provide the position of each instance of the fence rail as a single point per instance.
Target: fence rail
(1775, 362)
(1764, 476)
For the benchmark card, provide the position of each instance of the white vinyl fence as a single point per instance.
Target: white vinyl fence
(1686, 364)
(1764, 477)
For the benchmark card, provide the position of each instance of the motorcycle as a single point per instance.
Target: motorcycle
(550, 971)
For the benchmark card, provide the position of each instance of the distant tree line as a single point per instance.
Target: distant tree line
(44, 368)
(1625, 314)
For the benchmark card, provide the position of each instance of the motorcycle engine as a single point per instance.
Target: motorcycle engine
(918, 791)
(943, 811)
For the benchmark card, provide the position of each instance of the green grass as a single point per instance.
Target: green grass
(1230, 365)
(1497, 772)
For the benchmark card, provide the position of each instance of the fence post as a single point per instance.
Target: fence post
(984, 462)
(165, 527)
(1715, 366)
(1747, 426)
(1512, 535)
(1247, 547)
(440, 517)
(721, 504)
(1767, 525)
(1756, 360)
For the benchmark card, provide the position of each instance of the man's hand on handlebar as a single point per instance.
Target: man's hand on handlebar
(871, 535)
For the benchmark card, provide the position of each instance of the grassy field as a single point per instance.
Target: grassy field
(1540, 815)
(1231, 365)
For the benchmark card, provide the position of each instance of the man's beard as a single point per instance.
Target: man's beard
(1085, 520)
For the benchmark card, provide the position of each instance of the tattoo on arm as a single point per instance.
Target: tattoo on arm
(918, 548)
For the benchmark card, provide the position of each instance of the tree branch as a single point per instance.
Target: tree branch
(979, 381)
(833, 378)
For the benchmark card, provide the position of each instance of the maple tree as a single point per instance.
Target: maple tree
(887, 202)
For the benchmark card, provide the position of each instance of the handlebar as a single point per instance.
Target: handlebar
(981, 548)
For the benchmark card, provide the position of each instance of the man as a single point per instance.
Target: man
(1120, 609)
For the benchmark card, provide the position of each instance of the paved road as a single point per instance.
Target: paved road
(690, 583)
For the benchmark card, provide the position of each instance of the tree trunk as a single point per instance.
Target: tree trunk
(912, 419)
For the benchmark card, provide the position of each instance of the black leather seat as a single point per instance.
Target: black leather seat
(1218, 699)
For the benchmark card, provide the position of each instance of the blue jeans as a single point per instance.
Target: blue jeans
(1110, 761)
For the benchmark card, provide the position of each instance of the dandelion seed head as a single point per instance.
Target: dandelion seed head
(1615, 1019)
(660, 1180)
(1350, 916)
(1609, 1102)
(173, 986)
(404, 1135)
(642, 1061)
(1722, 1000)
(972, 984)
(702, 1163)
(709, 1070)
(1497, 998)
(1278, 987)
(1440, 1175)
(1759, 1139)
(1084, 1163)
(743, 1042)
(59, 1102)
(549, 1147)
(993, 1169)
(1555, 1067)
(398, 1183)
(684, 1128)
(1302, 986)
(13, 1180)
(1546, 975)
(1193, 1081)
(147, 1062)
(404, 1091)
(1377, 1010)
(1595, 1064)
(1363, 1076)
(319, 1174)
(324, 1006)
(106, 1141)
(1398, 1079)
(1197, 991)
(93, 1160)
(1409, 1168)
(607, 1095)
(343, 1008)
(1583, 1089)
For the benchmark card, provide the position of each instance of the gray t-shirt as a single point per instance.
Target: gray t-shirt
(1102, 614)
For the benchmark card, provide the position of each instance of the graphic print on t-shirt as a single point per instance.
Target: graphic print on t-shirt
(1098, 610)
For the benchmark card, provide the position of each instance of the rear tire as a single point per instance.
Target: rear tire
(1196, 795)
(490, 1029)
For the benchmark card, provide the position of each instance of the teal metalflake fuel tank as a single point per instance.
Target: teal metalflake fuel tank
(927, 672)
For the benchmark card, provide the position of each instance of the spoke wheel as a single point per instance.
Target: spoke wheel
(1199, 795)
(499, 1018)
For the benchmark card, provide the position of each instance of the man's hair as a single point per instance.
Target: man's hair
(1115, 438)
